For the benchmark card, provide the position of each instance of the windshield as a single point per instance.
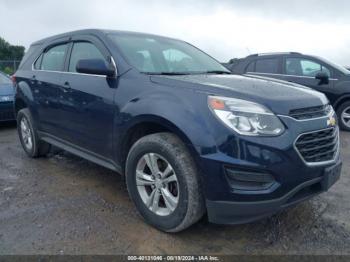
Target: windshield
(336, 66)
(158, 55)
(4, 79)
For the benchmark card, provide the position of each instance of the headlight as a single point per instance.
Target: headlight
(245, 117)
(6, 98)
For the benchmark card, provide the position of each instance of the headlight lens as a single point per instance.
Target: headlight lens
(245, 117)
(6, 98)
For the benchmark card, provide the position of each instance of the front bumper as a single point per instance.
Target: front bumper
(225, 212)
(7, 111)
(294, 180)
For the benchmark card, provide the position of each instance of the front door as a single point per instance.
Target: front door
(303, 71)
(88, 103)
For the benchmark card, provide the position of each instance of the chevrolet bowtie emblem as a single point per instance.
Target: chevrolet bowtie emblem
(331, 121)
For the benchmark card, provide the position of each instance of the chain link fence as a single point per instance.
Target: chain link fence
(9, 66)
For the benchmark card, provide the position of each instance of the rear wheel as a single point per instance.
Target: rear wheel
(343, 113)
(162, 181)
(32, 145)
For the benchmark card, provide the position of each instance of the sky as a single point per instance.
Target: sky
(225, 29)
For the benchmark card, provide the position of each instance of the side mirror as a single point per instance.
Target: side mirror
(95, 67)
(323, 77)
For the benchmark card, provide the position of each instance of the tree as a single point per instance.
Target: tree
(8, 70)
(10, 52)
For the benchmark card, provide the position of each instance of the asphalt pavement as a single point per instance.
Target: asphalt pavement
(63, 204)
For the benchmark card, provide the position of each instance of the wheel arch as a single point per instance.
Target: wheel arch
(146, 125)
(341, 100)
(19, 104)
(23, 96)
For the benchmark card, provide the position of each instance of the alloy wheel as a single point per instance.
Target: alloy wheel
(345, 116)
(157, 184)
(26, 134)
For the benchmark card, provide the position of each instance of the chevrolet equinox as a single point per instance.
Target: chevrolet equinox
(190, 137)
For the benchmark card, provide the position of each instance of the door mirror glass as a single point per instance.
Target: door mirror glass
(323, 77)
(94, 67)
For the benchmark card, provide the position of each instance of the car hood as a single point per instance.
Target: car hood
(279, 96)
(6, 89)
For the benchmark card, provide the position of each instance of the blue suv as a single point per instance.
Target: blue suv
(190, 137)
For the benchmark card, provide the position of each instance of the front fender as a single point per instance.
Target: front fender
(175, 112)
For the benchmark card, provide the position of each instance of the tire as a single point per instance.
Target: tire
(344, 108)
(171, 153)
(27, 132)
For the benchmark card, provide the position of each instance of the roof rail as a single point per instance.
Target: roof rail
(275, 53)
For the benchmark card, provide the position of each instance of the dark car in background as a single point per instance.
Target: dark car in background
(315, 72)
(7, 93)
(190, 137)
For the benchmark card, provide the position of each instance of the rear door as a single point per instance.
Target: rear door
(47, 89)
(88, 103)
(302, 70)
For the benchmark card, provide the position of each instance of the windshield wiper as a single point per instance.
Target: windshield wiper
(166, 73)
(221, 72)
(188, 73)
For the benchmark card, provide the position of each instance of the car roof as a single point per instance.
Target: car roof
(97, 32)
(273, 54)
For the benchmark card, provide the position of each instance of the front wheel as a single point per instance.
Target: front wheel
(343, 113)
(163, 182)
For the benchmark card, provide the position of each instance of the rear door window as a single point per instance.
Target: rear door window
(53, 58)
(267, 66)
(250, 67)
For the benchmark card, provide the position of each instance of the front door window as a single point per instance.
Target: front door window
(304, 67)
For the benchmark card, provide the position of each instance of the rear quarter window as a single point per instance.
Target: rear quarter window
(29, 56)
(250, 67)
(37, 63)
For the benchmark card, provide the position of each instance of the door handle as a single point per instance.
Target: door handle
(33, 79)
(66, 86)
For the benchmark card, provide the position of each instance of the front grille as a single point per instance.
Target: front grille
(310, 112)
(318, 146)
